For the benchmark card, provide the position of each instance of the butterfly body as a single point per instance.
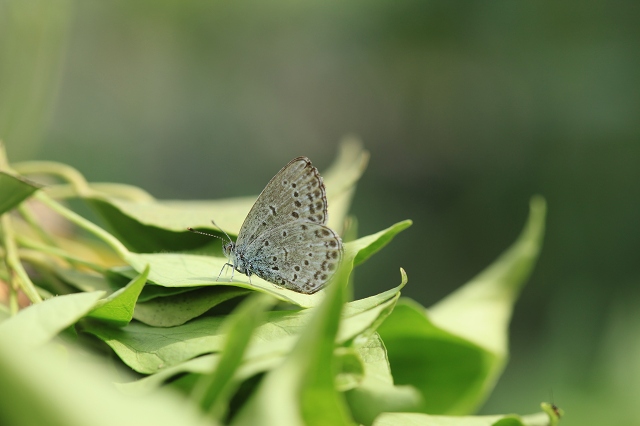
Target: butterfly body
(284, 238)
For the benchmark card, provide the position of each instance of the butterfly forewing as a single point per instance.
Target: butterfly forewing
(295, 193)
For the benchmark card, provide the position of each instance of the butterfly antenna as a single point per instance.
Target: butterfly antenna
(204, 233)
(216, 225)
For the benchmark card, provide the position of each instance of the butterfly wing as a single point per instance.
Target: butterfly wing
(295, 194)
(301, 257)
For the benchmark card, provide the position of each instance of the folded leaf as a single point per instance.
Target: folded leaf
(455, 351)
(117, 309)
(14, 190)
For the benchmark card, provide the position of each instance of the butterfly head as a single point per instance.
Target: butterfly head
(229, 250)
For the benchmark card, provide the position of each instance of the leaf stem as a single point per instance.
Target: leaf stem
(67, 173)
(28, 217)
(19, 277)
(83, 223)
(55, 251)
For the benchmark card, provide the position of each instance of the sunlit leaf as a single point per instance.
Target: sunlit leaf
(149, 349)
(186, 270)
(39, 323)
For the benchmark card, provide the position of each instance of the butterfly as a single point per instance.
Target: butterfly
(284, 239)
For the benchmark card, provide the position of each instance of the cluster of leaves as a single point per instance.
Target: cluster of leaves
(139, 330)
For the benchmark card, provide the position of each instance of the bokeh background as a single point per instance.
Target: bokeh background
(468, 109)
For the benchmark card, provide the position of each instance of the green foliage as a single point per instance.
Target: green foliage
(190, 349)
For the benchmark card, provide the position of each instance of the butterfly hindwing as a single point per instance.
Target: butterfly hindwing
(304, 258)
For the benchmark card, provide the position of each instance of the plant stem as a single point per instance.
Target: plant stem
(28, 217)
(83, 223)
(18, 275)
(68, 173)
(26, 242)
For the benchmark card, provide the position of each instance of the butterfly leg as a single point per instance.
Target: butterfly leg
(224, 266)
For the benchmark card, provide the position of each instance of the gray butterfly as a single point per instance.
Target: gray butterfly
(284, 238)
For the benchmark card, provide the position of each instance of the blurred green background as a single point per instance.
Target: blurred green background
(468, 109)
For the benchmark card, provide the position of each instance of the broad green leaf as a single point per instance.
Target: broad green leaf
(45, 386)
(187, 270)
(214, 391)
(149, 349)
(481, 310)
(118, 308)
(455, 352)
(14, 190)
(118, 276)
(301, 390)
(415, 419)
(151, 225)
(39, 323)
(177, 309)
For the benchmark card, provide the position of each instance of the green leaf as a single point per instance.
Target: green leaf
(301, 390)
(149, 349)
(213, 391)
(118, 308)
(455, 352)
(152, 225)
(349, 368)
(202, 365)
(14, 190)
(118, 276)
(39, 323)
(480, 311)
(188, 270)
(415, 419)
(177, 309)
(376, 393)
(54, 388)
(365, 247)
